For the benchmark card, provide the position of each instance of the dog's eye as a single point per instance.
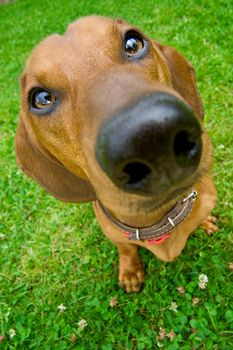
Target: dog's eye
(42, 99)
(134, 44)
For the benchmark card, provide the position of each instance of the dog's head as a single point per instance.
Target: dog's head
(107, 112)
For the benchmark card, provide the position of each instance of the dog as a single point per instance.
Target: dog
(110, 116)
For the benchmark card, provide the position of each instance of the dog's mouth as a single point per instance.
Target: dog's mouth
(126, 204)
(135, 175)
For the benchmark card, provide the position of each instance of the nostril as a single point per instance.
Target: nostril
(186, 147)
(136, 172)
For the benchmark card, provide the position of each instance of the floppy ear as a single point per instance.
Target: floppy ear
(183, 77)
(49, 173)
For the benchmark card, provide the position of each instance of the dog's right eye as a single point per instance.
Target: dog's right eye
(41, 101)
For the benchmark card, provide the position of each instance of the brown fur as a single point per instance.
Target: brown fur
(94, 80)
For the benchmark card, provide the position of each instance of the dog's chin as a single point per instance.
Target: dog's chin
(127, 204)
(166, 199)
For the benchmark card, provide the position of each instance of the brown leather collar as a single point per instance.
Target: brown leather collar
(161, 229)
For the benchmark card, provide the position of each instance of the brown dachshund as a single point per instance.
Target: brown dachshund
(111, 116)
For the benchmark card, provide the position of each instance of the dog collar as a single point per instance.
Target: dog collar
(158, 232)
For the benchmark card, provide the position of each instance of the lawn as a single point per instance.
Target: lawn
(58, 272)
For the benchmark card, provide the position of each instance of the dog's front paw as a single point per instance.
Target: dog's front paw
(209, 225)
(132, 279)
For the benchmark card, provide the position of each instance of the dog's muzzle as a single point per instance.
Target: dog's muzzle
(151, 145)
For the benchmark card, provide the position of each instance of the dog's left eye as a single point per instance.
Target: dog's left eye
(41, 101)
(134, 45)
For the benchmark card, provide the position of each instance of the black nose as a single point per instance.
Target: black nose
(152, 144)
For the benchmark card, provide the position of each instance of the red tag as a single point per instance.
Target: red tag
(158, 240)
(126, 234)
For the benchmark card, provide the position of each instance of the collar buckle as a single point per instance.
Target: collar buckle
(192, 195)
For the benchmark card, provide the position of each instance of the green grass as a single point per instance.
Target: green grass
(54, 253)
